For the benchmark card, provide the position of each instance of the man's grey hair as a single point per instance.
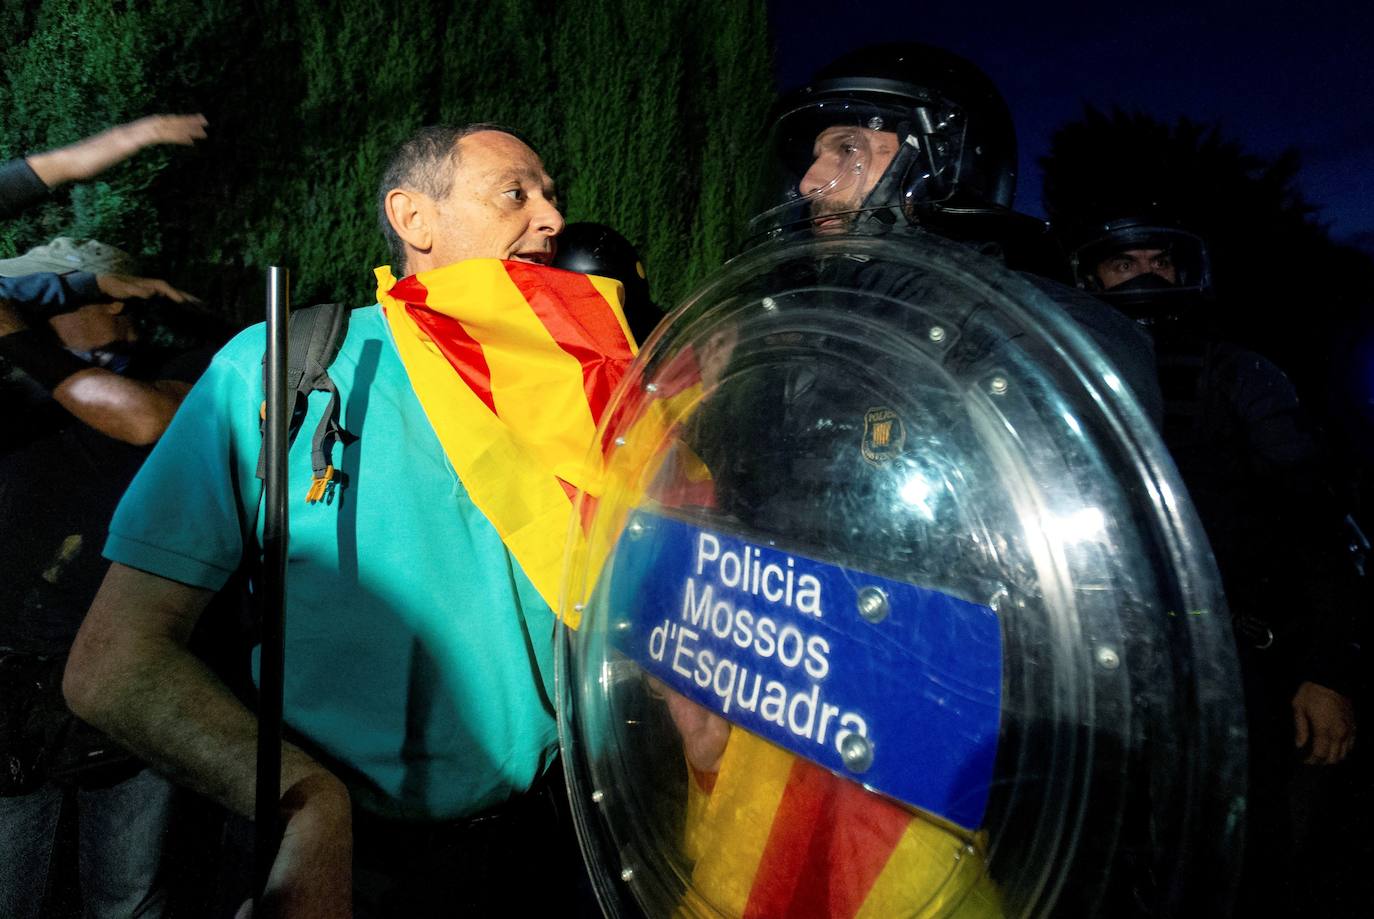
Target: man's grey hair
(425, 162)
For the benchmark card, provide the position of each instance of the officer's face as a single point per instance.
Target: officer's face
(502, 205)
(1121, 267)
(847, 164)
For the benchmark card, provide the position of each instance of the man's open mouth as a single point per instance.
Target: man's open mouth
(831, 224)
(534, 258)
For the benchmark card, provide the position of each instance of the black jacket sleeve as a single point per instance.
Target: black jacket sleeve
(20, 188)
(46, 294)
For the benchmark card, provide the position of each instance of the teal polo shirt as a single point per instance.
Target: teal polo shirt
(419, 657)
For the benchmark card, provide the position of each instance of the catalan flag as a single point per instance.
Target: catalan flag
(773, 835)
(514, 364)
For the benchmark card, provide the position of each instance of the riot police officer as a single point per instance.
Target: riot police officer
(909, 138)
(898, 135)
(904, 142)
(1248, 456)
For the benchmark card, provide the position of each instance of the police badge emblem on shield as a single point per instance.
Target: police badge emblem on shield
(884, 435)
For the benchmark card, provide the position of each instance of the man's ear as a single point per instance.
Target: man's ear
(411, 215)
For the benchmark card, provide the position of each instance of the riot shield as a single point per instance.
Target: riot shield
(892, 604)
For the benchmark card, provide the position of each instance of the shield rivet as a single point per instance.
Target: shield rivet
(998, 385)
(857, 753)
(873, 604)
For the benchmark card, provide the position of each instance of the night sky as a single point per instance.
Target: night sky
(1275, 74)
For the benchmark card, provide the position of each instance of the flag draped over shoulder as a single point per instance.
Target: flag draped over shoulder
(514, 365)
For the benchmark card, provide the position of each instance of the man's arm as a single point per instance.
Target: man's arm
(88, 158)
(1286, 455)
(48, 294)
(130, 674)
(128, 410)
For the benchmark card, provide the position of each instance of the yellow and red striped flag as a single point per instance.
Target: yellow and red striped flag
(773, 835)
(514, 365)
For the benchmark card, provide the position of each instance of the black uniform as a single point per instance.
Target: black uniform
(1254, 471)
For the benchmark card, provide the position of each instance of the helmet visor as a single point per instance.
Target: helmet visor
(837, 159)
(827, 158)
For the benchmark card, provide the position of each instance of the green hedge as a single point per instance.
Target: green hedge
(647, 113)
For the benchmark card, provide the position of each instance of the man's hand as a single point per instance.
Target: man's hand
(1325, 719)
(312, 875)
(704, 734)
(127, 287)
(87, 158)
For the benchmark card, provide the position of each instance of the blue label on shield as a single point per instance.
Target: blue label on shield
(893, 685)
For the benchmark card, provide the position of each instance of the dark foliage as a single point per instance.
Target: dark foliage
(1284, 287)
(307, 97)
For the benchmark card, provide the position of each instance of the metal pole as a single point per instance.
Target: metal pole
(271, 588)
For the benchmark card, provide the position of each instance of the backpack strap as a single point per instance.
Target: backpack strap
(317, 333)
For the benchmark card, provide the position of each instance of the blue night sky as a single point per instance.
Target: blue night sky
(1274, 73)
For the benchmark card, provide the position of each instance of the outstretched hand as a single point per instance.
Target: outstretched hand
(87, 158)
(1325, 719)
(127, 287)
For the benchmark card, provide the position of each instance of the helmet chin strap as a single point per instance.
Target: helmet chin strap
(882, 207)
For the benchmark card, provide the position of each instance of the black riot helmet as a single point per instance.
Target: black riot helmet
(1146, 264)
(594, 248)
(895, 133)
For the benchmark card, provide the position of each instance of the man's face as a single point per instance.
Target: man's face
(502, 205)
(92, 326)
(1121, 267)
(847, 164)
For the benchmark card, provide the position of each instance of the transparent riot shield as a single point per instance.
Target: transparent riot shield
(892, 605)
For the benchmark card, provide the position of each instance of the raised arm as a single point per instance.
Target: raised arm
(91, 156)
(130, 674)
